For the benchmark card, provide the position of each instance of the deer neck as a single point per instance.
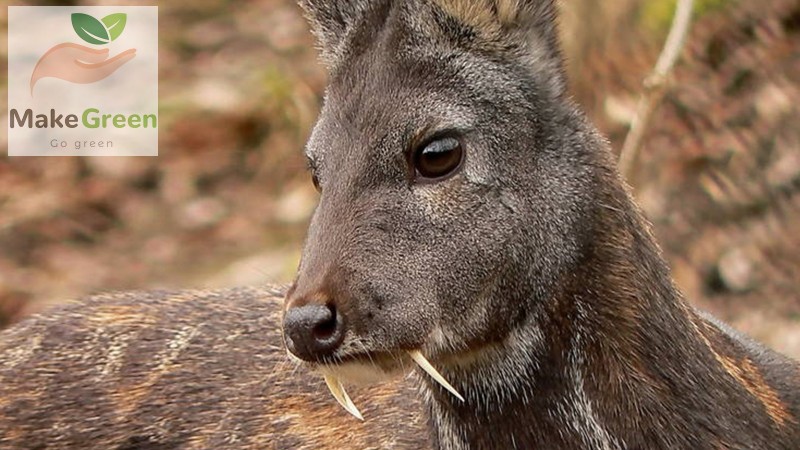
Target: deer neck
(581, 369)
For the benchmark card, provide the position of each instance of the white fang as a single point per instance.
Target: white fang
(425, 365)
(337, 389)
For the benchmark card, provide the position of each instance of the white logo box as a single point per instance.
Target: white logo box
(89, 103)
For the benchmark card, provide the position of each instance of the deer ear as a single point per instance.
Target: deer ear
(528, 27)
(330, 22)
(509, 21)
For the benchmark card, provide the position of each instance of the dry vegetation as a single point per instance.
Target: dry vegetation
(227, 200)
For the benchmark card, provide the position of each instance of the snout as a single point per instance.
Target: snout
(313, 331)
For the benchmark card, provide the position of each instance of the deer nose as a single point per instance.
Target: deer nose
(313, 332)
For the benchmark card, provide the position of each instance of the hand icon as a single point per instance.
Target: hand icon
(78, 64)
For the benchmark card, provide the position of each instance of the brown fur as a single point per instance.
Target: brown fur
(180, 370)
(486, 16)
(748, 375)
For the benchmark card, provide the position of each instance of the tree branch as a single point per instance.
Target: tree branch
(655, 86)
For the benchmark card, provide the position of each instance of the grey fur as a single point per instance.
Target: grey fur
(529, 279)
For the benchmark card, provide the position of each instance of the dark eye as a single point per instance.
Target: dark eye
(438, 159)
(315, 180)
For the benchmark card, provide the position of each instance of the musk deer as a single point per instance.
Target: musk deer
(471, 222)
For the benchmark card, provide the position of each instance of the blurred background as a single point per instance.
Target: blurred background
(227, 201)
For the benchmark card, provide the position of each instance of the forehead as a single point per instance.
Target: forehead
(404, 71)
(382, 93)
(403, 77)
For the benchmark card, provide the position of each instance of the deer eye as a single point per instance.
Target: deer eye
(312, 168)
(437, 159)
(315, 180)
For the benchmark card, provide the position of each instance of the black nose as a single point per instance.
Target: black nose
(313, 332)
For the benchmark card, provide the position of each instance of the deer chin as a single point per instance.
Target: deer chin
(364, 370)
(374, 368)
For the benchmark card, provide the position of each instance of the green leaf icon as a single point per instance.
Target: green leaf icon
(99, 32)
(90, 29)
(115, 23)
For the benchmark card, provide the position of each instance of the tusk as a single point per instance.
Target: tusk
(337, 389)
(425, 365)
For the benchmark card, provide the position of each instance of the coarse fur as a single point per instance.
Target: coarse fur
(529, 279)
(180, 370)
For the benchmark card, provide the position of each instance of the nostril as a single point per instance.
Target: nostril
(313, 332)
(327, 328)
